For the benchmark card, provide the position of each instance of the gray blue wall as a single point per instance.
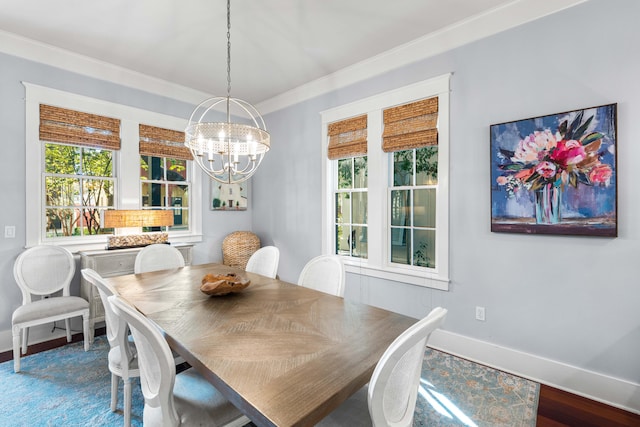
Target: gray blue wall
(571, 299)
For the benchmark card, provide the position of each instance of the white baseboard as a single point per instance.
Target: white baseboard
(616, 392)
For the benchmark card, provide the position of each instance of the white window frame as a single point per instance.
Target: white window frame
(378, 262)
(126, 164)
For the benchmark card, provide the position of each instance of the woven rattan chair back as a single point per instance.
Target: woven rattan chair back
(238, 247)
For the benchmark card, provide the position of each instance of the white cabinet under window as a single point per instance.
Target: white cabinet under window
(110, 263)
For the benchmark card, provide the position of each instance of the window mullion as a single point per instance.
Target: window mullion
(377, 183)
(128, 167)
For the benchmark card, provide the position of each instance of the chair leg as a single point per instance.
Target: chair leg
(16, 349)
(127, 402)
(68, 328)
(85, 332)
(114, 392)
(25, 340)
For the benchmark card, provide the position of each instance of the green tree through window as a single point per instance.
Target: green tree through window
(79, 185)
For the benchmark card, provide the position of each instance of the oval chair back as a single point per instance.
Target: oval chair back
(324, 273)
(264, 261)
(157, 257)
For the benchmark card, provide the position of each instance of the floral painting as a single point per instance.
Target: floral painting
(556, 174)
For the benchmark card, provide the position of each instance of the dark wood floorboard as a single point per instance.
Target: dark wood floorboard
(556, 408)
(48, 345)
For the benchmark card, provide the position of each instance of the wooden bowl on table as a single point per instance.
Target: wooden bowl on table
(223, 284)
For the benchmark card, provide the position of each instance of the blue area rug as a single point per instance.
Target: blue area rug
(65, 386)
(69, 387)
(457, 392)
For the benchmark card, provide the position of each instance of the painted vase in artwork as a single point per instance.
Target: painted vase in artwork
(547, 202)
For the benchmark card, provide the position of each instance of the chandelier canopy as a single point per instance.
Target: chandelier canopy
(228, 151)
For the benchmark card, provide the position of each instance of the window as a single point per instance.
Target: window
(411, 136)
(412, 200)
(348, 146)
(351, 207)
(386, 206)
(164, 173)
(87, 156)
(78, 170)
(79, 184)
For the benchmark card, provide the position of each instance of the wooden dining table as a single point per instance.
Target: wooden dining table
(283, 354)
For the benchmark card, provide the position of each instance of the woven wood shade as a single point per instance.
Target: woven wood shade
(138, 218)
(410, 126)
(159, 142)
(347, 138)
(73, 127)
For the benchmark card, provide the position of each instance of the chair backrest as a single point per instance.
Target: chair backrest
(157, 368)
(117, 328)
(324, 273)
(393, 388)
(157, 257)
(44, 270)
(264, 261)
(238, 247)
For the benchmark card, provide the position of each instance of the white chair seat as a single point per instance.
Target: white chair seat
(115, 359)
(49, 308)
(197, 402)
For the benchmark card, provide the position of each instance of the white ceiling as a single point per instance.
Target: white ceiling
(276, 45)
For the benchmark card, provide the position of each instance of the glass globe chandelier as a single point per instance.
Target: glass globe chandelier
(229, 152)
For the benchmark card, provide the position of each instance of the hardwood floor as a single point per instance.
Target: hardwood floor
(556, 408)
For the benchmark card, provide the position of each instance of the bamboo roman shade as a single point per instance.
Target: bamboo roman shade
(347, 138)
(159, 142)
(73, 127)
(410, 126)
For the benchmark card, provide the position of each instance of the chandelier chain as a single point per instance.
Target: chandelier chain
(228, 48)
(229, 152)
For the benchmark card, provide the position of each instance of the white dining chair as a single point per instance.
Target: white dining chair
(324, 273)
(122, 358)
(157, 257)
(391, 395)
(186, 399)
(43, 271)
(264, 261)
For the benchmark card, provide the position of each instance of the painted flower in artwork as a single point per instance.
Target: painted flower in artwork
(547, 161)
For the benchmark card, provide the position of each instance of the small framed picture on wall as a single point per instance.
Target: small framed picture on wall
(228, 197)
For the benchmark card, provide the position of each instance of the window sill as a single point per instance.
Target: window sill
(75, 246)
(417, 278)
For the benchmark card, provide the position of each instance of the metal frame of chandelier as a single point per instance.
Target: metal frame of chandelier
(229, 152)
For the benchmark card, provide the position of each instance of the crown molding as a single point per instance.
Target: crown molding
(509, 15)
(43, 53)
(494, 21)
